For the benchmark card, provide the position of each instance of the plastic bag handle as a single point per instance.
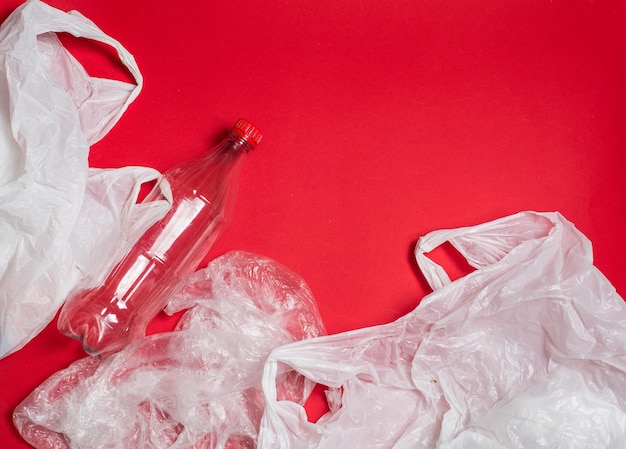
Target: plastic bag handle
(483, 244)
(435, 274)
(119, 187)
(74, 23)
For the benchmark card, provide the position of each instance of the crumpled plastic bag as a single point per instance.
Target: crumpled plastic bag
(55, 212)
(527, 351)
(198, 386)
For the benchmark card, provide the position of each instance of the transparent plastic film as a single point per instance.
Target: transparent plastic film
(198, 386)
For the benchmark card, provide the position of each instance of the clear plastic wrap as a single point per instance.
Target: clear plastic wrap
(528, 351)
(198, 386)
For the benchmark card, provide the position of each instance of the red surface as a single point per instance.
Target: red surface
(383, 120)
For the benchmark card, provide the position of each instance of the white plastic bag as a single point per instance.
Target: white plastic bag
(196, 387)
(528, 351)
(55, 213)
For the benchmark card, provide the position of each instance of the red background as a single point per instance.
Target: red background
(383, 120)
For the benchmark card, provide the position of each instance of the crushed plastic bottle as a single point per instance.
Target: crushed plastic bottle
(107, 318)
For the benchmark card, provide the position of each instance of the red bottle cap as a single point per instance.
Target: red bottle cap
(247, 130)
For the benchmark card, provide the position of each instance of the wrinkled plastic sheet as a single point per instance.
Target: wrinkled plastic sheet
(527, 351)
(198, 386)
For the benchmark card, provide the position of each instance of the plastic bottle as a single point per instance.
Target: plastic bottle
(204, 191)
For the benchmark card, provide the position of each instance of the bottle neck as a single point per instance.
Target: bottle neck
(239, 143)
